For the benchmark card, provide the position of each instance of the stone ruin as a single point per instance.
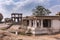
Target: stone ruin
(16, 18)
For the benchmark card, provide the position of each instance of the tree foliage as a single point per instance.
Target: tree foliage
(41, 11)
(1, 17)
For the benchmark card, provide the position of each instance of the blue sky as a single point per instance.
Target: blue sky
(25, 6)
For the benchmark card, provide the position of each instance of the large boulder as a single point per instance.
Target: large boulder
(1, 17)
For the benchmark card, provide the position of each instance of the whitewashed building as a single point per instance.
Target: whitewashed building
(42, 24)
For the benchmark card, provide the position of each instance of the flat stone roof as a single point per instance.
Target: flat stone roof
(16, 14)
(41, 17)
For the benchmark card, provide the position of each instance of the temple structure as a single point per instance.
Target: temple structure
(38, 24)
(42, 24)
(16, 17)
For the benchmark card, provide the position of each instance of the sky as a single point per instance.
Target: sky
(25, 6)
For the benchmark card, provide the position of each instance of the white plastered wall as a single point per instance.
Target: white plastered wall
(55, 25)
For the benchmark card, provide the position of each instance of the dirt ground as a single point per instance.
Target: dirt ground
(10, 36)
(42, 37)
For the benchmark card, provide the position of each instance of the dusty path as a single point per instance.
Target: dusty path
(24, 37)
(45, 37)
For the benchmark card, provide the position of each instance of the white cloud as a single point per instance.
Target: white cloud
(2, 11)
(55, 9)
(42, 1)
(7, 2)
(27, 2)
(18, 5)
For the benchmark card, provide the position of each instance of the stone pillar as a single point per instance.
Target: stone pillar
(38, 21)
(41, 23)
(16, 33)
(30, 23)
(35, 23)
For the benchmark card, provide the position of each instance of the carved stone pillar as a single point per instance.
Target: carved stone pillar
(41, 23)
(35, 23)
(16, 33)
(30, 23)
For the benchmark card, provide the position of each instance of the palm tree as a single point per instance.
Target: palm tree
(1, 17)
(41, 11)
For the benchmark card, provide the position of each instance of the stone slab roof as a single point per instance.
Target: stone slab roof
(16, 14)
(41, 17)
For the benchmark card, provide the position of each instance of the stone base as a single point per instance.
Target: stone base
(38, 31)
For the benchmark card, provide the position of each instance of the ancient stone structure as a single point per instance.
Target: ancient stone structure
(37, 24)
(42, 24)
(8, 20)
(16, 17)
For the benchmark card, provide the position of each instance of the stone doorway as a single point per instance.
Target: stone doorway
(47, 23)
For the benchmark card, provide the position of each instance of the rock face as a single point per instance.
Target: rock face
(1, 17)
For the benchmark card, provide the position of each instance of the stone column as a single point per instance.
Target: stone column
(16, 33)
(35, 24)
(41, 23)
(14, 18)
(30, 23)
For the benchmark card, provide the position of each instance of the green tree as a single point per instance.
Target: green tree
(1, 17)
(41, 11)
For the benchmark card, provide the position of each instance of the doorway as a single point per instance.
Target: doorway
(47, 23)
